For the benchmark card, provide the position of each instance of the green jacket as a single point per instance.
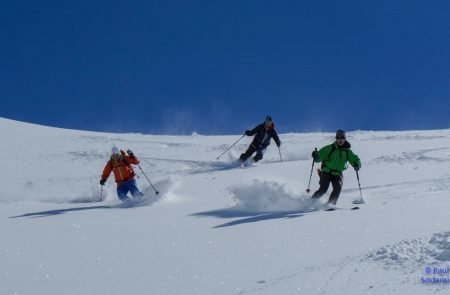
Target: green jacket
(334, 158)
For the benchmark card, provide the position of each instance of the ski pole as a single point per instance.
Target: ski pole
(101, 193)
(359, 185)
(310, 176)
(230, 147)
(156, 192)
(279, 151)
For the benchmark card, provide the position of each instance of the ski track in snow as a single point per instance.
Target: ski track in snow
(413, 157)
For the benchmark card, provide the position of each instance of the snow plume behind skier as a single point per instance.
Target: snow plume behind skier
(263, 133)
(334, 158)
(120, 164)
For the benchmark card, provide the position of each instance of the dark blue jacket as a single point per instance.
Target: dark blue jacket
(263, 135)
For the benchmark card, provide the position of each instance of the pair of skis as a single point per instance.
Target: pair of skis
(338, 208)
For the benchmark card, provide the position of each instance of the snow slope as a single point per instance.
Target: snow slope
(217, 229)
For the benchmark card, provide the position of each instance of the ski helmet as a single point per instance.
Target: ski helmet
(340, 133)
(268, 119)
(114, 150)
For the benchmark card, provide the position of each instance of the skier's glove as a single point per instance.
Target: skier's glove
(315, 155)
(279, 144)
(102, 182)
(248, 132)
(130, 153)
(357, 167)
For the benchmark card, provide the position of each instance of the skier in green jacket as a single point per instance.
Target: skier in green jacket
(334, 158)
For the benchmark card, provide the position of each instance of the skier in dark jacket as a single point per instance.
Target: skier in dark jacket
(334, 158)
(263, 133)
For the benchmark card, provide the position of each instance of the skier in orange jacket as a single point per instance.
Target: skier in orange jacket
(120, 165)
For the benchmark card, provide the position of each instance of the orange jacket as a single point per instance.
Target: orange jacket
(121, 166)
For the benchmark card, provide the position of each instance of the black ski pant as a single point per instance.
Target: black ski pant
(254, 147)
(336, 182)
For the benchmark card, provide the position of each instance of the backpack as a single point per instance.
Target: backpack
(124, 162)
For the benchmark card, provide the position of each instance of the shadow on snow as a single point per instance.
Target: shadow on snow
(59, 211)
(131, 203)
(250, 217)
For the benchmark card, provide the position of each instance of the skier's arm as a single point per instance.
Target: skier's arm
(106, 171)
(132, 159)
(276, 138)
(324, 152)
(253, 131)
(354, 160)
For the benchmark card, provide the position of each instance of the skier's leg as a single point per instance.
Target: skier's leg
(122, 191)
(259, 154)
(132, 185)
(257, 157)
(324, 183)
(248, 153)
(336, 182)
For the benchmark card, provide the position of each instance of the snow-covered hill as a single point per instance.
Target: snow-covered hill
(215, 229)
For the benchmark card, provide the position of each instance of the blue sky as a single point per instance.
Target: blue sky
(218, 67)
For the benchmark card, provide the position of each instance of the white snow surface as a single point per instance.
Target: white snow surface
(216, 228)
